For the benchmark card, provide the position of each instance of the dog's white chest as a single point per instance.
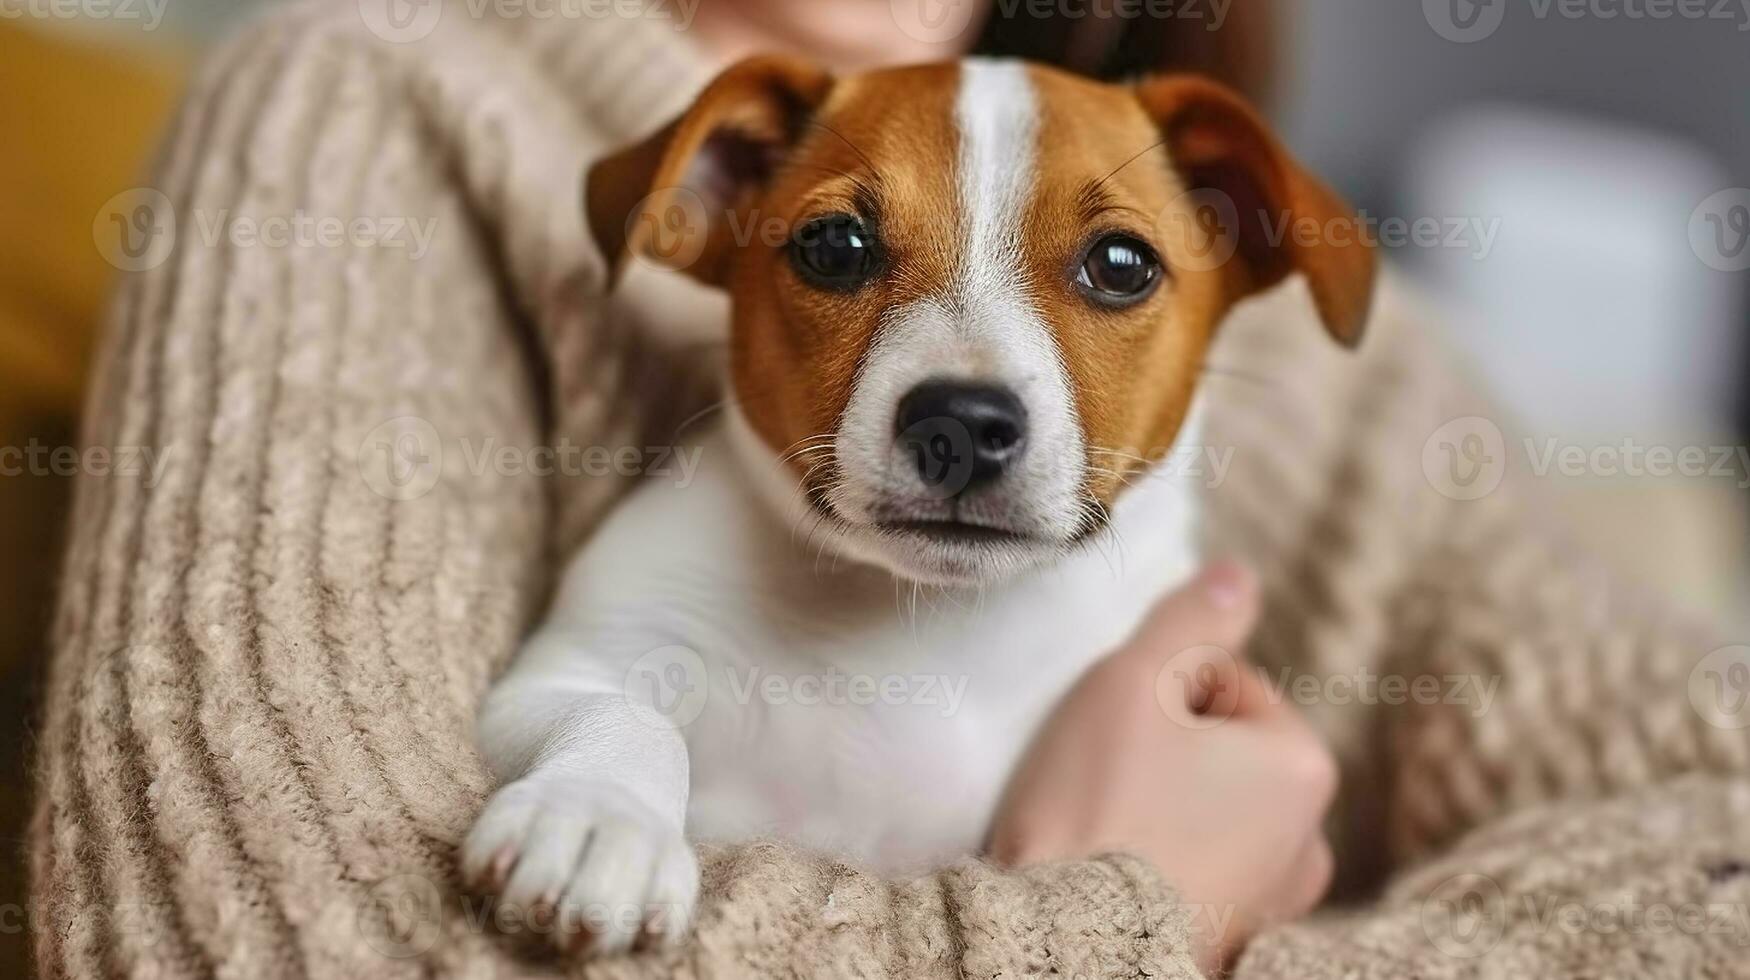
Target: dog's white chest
(829, 704)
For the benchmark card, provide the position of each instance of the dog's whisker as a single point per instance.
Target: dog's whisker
(1101, 519)
(1123, 479)
(805, 453)
(1098, 184)
(696, 416)
(1280, 392)
(1225, 371)
(820, 515)
(816, 123)
(1102, 451)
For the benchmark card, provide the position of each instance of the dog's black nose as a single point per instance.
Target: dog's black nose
(961, 434)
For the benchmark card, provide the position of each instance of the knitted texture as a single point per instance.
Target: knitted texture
(257, 759)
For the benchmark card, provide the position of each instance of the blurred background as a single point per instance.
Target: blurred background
(1566, 180)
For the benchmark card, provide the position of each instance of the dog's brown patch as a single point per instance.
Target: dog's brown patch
(881, 148)
(1101, 171)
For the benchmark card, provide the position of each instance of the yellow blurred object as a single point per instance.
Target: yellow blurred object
(81, 119)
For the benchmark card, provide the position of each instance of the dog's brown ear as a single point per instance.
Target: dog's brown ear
(672, 198)
(1287, 219)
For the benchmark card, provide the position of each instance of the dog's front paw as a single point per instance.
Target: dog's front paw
(605, 865)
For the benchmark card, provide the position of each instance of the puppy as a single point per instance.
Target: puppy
(971, 303)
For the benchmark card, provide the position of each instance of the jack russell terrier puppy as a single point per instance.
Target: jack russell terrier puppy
(928, 506)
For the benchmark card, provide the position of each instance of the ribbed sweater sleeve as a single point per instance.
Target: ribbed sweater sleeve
(1564, 798)
(259, 704)
(1651, 883)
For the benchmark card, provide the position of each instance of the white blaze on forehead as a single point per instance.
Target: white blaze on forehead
(999, 129)
(999, 334)
(980, 325)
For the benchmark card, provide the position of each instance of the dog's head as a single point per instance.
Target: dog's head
(971, 298)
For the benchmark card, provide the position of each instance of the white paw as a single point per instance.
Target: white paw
(605, 869)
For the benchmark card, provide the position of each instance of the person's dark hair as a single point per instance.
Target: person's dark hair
(1120, 40)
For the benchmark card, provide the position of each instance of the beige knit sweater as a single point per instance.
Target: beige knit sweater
(257, 759)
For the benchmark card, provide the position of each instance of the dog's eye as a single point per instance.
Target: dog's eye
(835, 252)
(1119, 271)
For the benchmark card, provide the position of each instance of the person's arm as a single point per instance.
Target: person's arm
(1564, 711)
(269, 641)
(1596, 689)
(1651, 883)
(1441, 556)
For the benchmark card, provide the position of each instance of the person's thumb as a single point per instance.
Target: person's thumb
(1218, 607)
(1193, 643)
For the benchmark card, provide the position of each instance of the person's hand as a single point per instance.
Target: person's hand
(1175, 750)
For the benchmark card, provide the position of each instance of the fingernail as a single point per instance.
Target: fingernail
(499, 870)
(1227, 584)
